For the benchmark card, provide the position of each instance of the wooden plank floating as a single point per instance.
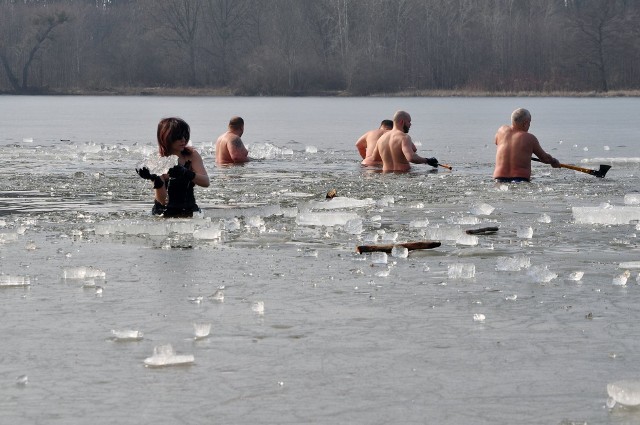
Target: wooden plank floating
(482, 231)
(387, 248)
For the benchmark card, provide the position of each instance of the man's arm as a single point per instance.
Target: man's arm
(237, 150)
(409, 151)
(542, 155)
(361, 144)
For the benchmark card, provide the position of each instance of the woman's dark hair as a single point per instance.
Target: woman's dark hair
(170, 130)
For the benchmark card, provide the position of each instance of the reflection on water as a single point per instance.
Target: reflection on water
(278, 316)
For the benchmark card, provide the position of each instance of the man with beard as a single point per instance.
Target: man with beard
(396, 147)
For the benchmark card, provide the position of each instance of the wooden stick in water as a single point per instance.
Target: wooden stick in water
(482, 231)
(387, 248)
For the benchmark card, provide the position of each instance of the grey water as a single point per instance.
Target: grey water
(524, 326)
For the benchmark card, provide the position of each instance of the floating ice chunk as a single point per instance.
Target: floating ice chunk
(462, 271)
(257, 307)
(264, 151)
(632, 199)
(511, 297)
(576, 276)
(353, 226)
(340, 202)
(325, 218)
(311, 149)
(513, 264)
(208, 233)
(383, 273)
(419, 223)
(541, 274)
(467, 220)
(254, 221)
(22, 380)
(389, 237)
(310, 253)
(479, 317)
(8, 237)
(379, 257)
(621, 280)
(399, 251)
(27, 140)
(481, 209)
(13, 280)
(606, 215)
(585, 149)
(218, 295)
(30, 246)
(503, 187)
(163, 355)
(231, 224)
(126, 335)
(82, 273)
(376, 218)
(201, 330)
(444, 233)
(470, 240)
(525, 232)
(385, 201)
(544, 218)
(625, 392)
(630, 265)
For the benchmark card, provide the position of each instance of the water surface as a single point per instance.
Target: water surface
(343, 337)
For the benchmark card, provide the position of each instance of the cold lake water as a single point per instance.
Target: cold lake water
(259, 310)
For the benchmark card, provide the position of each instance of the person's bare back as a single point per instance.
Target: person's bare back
(366, 144)
(396, 148)
(514, 147)
(229, 146)
(230, 149)
(393, 148)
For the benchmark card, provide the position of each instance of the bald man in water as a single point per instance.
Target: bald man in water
(229, 146)
(366, 144)
(396, 147)
(515, 145)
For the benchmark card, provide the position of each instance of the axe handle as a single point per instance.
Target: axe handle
(573, 167)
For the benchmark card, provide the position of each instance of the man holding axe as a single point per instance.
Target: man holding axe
(515, 145)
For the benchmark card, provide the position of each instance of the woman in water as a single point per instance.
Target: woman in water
(174, 191)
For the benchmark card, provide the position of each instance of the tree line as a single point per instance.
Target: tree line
(295, 47)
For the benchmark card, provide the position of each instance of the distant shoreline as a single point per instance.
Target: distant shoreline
(210, 92)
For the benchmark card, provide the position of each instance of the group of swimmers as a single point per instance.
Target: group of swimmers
(389, 146)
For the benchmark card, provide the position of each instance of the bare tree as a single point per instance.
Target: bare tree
(598, 29)
(227, 27)
(18, 57)
(181, 20)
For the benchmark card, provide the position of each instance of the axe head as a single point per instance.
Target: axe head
(602, 171)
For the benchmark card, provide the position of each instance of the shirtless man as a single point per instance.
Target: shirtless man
(367, 143)
(229, 146)
(515, 145)
(396, 147)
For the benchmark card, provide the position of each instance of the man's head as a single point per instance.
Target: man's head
(386, 124)
(236, 124)
(521, 118)
(402, 120)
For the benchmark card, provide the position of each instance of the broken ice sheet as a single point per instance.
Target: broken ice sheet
(164, 355)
